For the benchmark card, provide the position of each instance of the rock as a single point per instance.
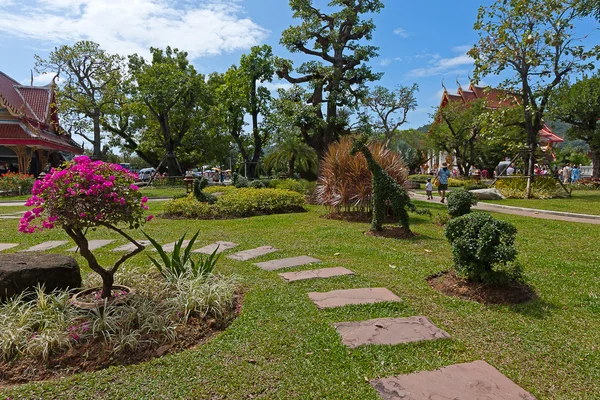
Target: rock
(487, 194)
(21, 272)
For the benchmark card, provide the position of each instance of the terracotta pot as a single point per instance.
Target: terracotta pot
(78, 298)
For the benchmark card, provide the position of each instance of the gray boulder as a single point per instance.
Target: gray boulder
(487, 194)
(22, 272)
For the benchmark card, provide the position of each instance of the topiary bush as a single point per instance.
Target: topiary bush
(199, 194)
(256, 184)
(460, 202)
(239, 181)
(483, 248)
(245, 202)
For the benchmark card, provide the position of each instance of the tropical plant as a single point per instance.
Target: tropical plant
(85, 194)
(460, 202)
(482, 246)
(345, 183)
(178, 263)
(289, 154)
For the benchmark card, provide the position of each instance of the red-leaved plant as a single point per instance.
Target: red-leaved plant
(85, 194)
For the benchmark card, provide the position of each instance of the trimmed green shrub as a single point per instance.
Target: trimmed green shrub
(239, 181)
(256, 184)
(543, 187)
(420, 178)
(199, 194)
(482, 248)
(220, 189)
(237, 203)
(460, 202)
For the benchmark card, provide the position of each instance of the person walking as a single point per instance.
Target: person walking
(443, 174)
(575, 173)
(566, 173)
(429, 189)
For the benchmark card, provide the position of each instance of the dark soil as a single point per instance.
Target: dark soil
(393, 232)
(97, 355)
(356, 216)
(452, 285)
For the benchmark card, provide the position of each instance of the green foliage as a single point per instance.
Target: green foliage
(239, 181)
(420, 178)
(460, 202)
(178, 264)
(199, 186)
(220, 189)
(301, 186)
(543, 187)
(237, 203)
(482, 247)
(290, 153)
(257, 184)
(11, 183)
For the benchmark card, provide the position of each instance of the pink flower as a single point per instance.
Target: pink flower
(149, 217)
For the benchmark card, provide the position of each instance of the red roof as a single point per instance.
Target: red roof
(17, 134)
(37, 99)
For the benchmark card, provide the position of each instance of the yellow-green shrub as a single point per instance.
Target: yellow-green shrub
(237, 203)
(542, 188)
(220, 189)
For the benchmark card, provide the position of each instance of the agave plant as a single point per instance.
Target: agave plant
(345, 181)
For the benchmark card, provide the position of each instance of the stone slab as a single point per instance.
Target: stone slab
(168, 248)
(287, 263)
(389, 331)
(46, 245)
(252, 253)
(469, 381)
(6, 246)
(339, 298)
(315, 273)
(94, 244)
(130, 246)
(212, 247)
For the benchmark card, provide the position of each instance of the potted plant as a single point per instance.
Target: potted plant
(85, 194)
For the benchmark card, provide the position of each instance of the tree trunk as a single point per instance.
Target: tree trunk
(530, 171)
(172, 167)
(97, 138)
(595, 162)
(291, 163)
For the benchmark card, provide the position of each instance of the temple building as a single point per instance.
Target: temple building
(30, 134)
(494, 98)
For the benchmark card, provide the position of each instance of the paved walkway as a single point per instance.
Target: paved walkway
(525, 212)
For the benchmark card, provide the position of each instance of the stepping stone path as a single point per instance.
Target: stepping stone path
(6, 246)
(168, 248)
(252, 253)
(287, 263)
(212, 247)
(475, 380)
(130, 246)
(389, 331)
(339, 298)
(315, 273)
(46, 245)
(94, 244)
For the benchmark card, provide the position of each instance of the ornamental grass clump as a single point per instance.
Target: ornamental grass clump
(85, 194)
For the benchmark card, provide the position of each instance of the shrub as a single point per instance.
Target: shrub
(239, 181)
(420, 178)
(199, 194)
(475, 186)
(543, 187)
(12, 182)
(482, 248)
(238, 203)
(220, 189)
(301, 186)
(460, 202)
(256, 184)
(441, 219)
(83, 194)
(345, 180)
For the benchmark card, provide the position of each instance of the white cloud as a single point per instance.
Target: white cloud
(460, 64)
(401, 32)
(384, 62)
(39, 80)
(209, 27)
(274, 86)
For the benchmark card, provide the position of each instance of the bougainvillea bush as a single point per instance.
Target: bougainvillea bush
(86, 194)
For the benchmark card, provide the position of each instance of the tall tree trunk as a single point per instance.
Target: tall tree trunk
(595, 161)
(291, 163)
(530, 170)
(172, 167)
(97, 138)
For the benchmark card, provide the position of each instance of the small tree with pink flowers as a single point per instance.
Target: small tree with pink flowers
(85, 194)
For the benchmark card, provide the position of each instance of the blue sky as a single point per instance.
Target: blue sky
(420, 42)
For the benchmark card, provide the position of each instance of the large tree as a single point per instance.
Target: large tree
(337, 76)
(579, 105)
(390, 108)
(170, 92)
(535, 40)
(89, 84)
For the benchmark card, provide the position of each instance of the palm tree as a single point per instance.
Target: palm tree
(292, 152)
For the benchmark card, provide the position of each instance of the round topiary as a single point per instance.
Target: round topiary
(460, 202)
(256, 184)
(482, 246)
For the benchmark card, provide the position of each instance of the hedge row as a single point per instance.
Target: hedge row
(245, 202)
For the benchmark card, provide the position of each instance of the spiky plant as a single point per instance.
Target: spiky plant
(345, 180)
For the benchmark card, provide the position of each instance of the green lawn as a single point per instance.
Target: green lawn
(152, 192)
(581, 201)
(283, 347)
